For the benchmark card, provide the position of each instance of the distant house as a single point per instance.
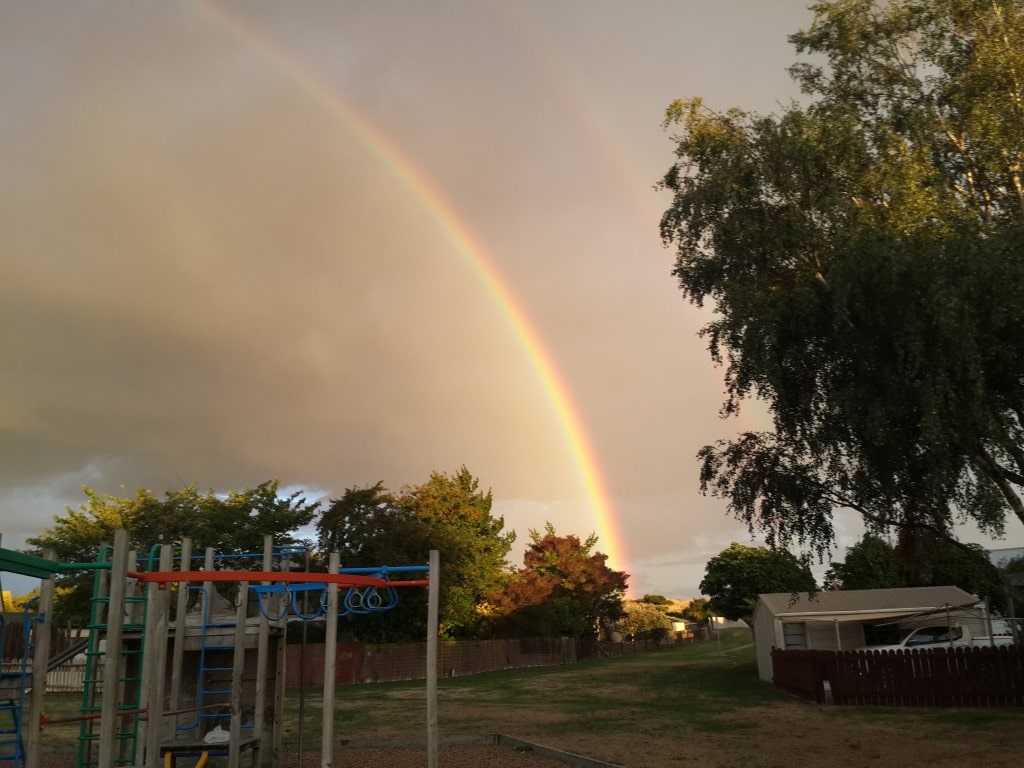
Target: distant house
(857, 618)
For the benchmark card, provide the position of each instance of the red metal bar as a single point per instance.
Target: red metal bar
(45, 720)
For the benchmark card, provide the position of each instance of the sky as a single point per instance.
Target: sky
(335, 243)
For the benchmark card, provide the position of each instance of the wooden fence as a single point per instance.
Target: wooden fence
(938, 677)
(12, 641)
(365, 663)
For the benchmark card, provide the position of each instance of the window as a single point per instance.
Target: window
(795, 634)
(934, 636)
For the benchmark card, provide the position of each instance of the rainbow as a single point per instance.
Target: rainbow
(472, 251)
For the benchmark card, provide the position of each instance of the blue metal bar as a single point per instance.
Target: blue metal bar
(386, 569)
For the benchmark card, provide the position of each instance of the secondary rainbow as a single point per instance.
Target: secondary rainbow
(471, 250)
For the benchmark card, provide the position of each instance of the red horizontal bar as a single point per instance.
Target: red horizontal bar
(296, 577)
(47, 720)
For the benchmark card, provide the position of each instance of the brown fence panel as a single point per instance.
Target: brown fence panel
(803, 672)
(12, 643)
(400, 661)
(940, 677)
(304, 665)
(364, 663)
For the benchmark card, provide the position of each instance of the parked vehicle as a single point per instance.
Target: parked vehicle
(942, 636)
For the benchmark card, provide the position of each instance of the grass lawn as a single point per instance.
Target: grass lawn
(681, 707)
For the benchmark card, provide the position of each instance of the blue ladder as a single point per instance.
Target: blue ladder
(216, 668)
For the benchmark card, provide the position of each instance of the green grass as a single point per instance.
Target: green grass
(686, 695)
(643, 693)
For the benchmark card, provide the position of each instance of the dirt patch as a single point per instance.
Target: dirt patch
(453, 756)
(449, 756)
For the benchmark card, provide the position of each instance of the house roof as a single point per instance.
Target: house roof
(865, 604)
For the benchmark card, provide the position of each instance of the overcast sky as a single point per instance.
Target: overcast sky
(315, 241)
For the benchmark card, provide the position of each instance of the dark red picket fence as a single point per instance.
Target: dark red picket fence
(938, 677)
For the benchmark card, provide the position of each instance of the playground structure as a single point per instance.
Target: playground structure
(206, 680)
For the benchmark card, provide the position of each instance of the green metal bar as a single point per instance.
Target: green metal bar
(26, 565)
(38, 568)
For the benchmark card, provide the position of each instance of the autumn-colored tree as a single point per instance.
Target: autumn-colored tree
(564, 588)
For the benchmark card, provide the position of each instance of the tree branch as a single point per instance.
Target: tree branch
(988, 466)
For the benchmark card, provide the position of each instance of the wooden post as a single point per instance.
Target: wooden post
(234, 751)
(271, 757)
(154, 669)
(432, 632)
(112, 653)
(262, 651)
(330, 658)
(127, 697)
(180, 631)
(40, 662)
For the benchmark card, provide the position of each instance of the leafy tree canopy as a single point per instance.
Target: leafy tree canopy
(565, 588)
(738, 574)
(644, 621)
(871, 563)
(1012, 567)
(458, 521)
(863, 258)
(235, 523)
(874, 563)
(699, 610)
(372, 526)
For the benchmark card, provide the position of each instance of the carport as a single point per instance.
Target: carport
(836, 620)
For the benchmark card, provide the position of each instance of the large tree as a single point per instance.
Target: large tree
(644, 621)
(700, 611)
(372, 527)
(1014, 591)
(738, 574)
(863, 259)
(472, 543)
(233, 523)
(870, 563)
(918, 561)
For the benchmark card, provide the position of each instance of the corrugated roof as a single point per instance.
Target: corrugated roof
(908, 599)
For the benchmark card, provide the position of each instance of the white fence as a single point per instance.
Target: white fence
(66, 678)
